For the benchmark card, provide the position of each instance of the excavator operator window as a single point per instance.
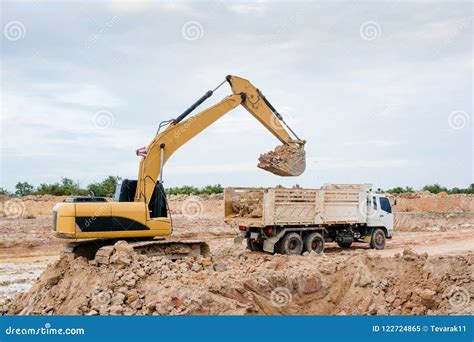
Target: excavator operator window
(158, 206)
(125, 191)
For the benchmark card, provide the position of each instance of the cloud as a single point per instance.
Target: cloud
(438, 31)
(128, 6)
(324, 164)
(248, 8)
(86, 95)
(376, 143)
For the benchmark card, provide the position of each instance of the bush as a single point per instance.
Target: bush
(192, 190)
(435, 188)
(4, 192)
(67, 187)
(23, 189)
(469, 190)
(399, 190)
(106, 188)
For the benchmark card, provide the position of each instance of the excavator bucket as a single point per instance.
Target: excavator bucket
(285, 160)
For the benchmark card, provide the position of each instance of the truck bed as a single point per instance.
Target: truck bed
(261, 207)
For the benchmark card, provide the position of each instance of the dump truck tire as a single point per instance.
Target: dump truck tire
(314, 242)
(254, 246)
(377, 240)
(292, 243)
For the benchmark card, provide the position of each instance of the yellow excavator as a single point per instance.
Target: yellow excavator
(139, 212)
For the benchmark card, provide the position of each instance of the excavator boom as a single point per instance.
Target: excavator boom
(182, 129)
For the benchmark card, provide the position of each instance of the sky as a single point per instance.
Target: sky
(381, 91)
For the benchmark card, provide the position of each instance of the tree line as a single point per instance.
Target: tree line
(434, 189)
(106, 188)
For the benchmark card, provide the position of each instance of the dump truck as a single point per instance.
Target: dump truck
(296, 220)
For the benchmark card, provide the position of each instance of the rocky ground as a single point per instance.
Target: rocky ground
(237, 282)
(427, 268)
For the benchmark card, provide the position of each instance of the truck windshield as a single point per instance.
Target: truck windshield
(385, 204)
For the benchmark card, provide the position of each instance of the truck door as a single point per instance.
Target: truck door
(386, 215)
(373, 211)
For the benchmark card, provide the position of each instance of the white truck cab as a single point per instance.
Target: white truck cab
(379, 212)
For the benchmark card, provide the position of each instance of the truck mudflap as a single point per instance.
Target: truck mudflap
(239, 238)
(269, 244)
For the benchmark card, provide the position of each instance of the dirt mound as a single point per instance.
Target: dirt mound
(440, 203)
(432, 222)
(235, 281)
(284, 160)
(248, 204)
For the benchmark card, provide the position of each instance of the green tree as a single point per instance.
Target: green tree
(4, 192)
(212, 189)
(435, 188)
(399, 190)
(23, 189)
(106, 188)
(192, 190)
(69, 187)
(469, 190)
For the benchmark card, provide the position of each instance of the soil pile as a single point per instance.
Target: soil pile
(234, 281)
(248, 204)
(436, 203)
(433, 222)
(284, 160)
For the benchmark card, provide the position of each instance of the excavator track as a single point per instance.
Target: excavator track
(172, 249)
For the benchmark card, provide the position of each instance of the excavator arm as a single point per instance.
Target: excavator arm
(182, 129)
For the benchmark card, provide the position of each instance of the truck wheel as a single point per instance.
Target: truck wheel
(314, 242)
(292, 243)
(254, 246)
(344, 244)
(377, 240)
